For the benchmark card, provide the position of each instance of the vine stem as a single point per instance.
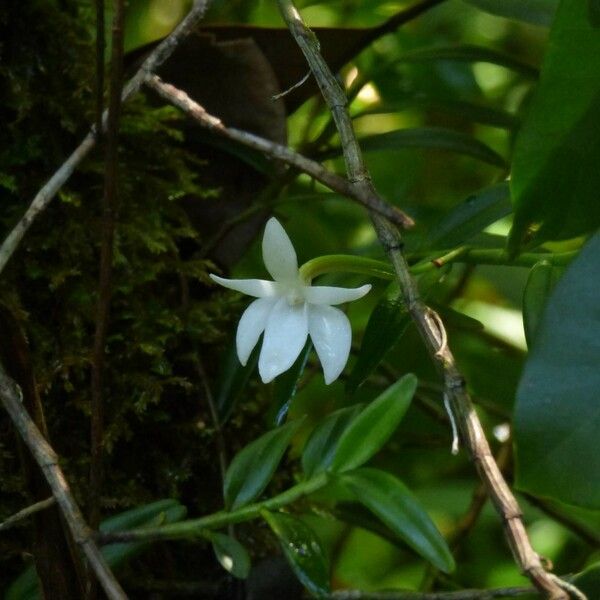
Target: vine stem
(427, 321)
(45, 195)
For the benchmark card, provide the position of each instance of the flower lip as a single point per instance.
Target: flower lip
(288, 310)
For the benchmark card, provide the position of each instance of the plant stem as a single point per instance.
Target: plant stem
(194, 527)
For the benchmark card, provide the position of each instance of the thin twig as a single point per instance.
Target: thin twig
(26, 513)
(43, 198)
(10, 395)
(282, 153)
(109, 210)
(431, 330)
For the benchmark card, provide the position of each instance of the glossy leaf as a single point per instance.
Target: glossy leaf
(555, 177)
(434, 138)
(558, 400)
(321, 445)
(302, 550)
(471, 217)
(372, 428)
(537, 12)
(252, 468)
(232, 556)
(397, 507)
(588, 581)
(385, 327)
(540, 283)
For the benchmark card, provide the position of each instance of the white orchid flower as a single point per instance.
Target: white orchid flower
(288, 310)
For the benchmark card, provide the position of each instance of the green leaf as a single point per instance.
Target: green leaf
(372, 428)
(286, 385)
(385, 327)
(320, 447)
(233, 379)
(232, 556)
(435, 138)
(540, 283)
(558, 400)
(471, 53)
(134, 517)
(471, 217)
(252, 468)
(302, 550)
(537, 12)
(396, 506)
(555, 177)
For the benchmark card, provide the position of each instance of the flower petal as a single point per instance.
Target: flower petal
(252, 324)
(279, 255)
(331, 334)
(285, 336)
(324, 294)
(259, 288)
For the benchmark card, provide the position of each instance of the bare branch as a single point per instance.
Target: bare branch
(62, 175)
(432, 330)
(282, 153)
(26, 513)
(46, 458)
(512, 592)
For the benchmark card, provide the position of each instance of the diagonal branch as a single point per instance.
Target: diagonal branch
(61, 176)
(10, 396)
(427, 321)
(282, 153)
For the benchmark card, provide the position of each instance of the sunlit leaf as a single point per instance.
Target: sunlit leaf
(557, 415)
(372, 428)
(397, 507)
(302, 550)
(252, 468)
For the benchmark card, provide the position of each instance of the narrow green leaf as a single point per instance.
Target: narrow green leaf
(232, 556)
(385, 327)
(555, 177)
(471, 53)
(302, 550)
(252, 468)
(233, 379)
(471, 217)
(286, 385)
(434, 138)
(396, 506)
(536, 12)
(320, 447)
(372, 428)
(134, 517)
(557, 415)
(540, 283)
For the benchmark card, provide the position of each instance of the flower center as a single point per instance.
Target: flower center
(295, 296)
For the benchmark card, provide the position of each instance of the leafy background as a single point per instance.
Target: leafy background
(451, 104)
